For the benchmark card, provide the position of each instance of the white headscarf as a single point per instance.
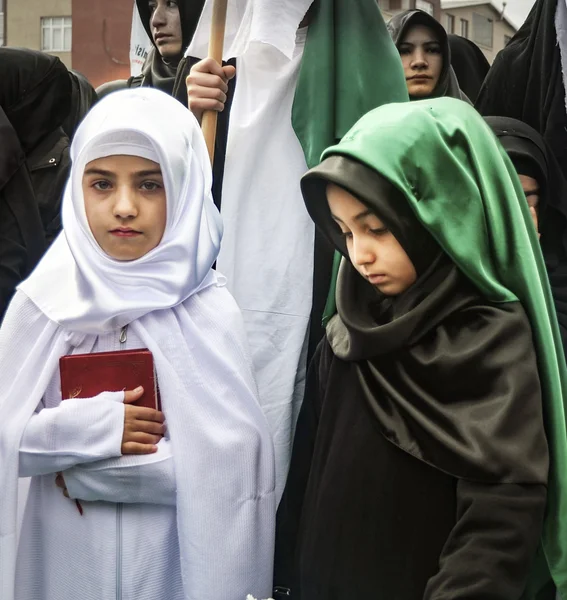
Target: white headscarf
(178, 307)
(94, 291)
(271, 22)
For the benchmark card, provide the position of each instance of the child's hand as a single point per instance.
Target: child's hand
(207, 86)
(143, 427)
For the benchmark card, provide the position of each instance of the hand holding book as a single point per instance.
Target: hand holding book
(87, 375)
(143, 427)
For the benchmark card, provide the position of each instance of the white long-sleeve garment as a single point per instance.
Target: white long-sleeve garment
(179, 309)
(125, 545)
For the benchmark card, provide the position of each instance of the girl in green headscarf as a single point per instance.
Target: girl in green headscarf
(430, 451)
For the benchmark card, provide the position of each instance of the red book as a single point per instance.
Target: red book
(87, 375)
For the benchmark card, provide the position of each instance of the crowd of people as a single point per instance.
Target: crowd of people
(357, 313)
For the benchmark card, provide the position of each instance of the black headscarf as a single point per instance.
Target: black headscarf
(83, 99)
(399, 26)
(157, 71)
(525, 81)
(35, 100)
(469, 63)
(531, 156)
(35, 93)
(451, 378)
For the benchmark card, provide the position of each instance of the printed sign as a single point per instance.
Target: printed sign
(140, 44)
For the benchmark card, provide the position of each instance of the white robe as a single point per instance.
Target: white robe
(268, 244)
(125, 545)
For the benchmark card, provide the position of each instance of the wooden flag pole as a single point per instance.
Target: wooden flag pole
(216, 45)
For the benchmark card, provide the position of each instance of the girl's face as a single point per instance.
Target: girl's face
(165, 23)
(125, 203)
(373, 250)
(422, 59)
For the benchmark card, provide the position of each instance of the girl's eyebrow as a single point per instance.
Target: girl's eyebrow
(362, 215)
(148, 173)
(101, 172)
(104, 173)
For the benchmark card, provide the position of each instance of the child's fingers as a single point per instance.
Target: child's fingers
(153, 427)
(140, 437)
(133, 395)
(136, 448)
(143, 413)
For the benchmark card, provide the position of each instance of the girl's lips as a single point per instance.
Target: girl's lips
(376, 279)
(125, 232)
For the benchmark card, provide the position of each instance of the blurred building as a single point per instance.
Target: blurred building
(39, 25)
(389, 8)
(91, 36)
(478, 20)
(101, 39)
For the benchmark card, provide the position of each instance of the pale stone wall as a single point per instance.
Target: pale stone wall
(23, 22)
(500, 27)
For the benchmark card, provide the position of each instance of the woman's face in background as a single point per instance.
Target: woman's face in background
(165, 24)
(422, 59)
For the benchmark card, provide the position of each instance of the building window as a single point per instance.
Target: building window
(450, 23)
(507, 39)
(425, 6)
(482, 30)
(465, 28)
(56, 34)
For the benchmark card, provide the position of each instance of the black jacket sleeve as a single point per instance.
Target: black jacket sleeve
(489, 552)
(13, 255)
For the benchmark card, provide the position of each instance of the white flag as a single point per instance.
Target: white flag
(140, 44)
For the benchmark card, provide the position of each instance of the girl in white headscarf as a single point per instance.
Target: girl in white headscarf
(177, 513)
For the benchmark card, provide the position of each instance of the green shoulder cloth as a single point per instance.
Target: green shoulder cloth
(464, 189)
(349, 66)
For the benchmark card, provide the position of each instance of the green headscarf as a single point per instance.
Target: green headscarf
(464, 189)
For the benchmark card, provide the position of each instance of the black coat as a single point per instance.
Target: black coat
(525, 81)
(35, 100)
(361, 518)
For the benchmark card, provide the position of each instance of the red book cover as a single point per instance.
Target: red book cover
(87, 375)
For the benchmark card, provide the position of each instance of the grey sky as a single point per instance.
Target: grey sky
(516, 10)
